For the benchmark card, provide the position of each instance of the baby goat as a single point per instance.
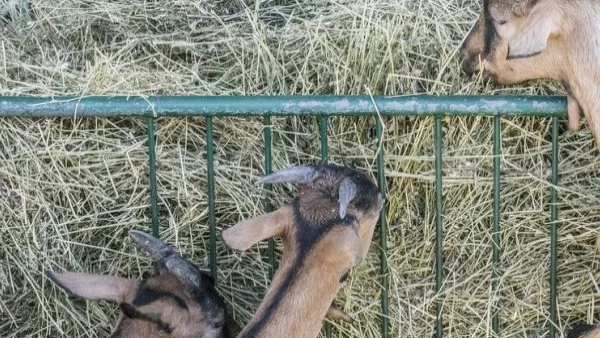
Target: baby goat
(518, 40)
(326, 231)
(179, 301)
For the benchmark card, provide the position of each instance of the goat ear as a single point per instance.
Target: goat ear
(249, 232)
(532, 38)
(94, 287)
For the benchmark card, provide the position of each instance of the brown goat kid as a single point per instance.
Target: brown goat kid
(518, 40)
(179, 301)
(326, 231)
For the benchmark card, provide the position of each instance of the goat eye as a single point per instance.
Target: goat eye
(501, 22)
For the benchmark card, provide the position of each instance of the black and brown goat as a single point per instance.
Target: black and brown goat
(326, 231)
(518, 40)
(179, 301)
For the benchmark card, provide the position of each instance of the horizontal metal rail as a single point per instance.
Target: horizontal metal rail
(159, 106)
(322, 107)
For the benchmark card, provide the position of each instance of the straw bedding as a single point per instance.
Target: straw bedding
(71, 188)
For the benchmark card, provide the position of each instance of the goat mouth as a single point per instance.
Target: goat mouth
(469, 67)
(469, 62)
(490, 78)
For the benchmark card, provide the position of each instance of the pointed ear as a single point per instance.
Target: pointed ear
(249, 232)
(531, 39)
(94, 287)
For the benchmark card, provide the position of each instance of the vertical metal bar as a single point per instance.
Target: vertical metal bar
(324, 140)
(268, 170)
(324, 159)
(153, 185)
(496, 235)
(383, 229)
(212, 249)
(439, 253)
(553, 227)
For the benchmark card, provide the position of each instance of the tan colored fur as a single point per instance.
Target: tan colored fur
(564, 35)
(315, 286)
(302, 308)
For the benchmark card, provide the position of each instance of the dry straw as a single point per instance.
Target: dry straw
(71, 188)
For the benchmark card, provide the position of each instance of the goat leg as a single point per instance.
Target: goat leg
(593, 121)
(594, 125)
(574, 111)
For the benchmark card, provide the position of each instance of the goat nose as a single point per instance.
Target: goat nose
(463, 54)
(465, 61)
(466, 66)
(469, 63)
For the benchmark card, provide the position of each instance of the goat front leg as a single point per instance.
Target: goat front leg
(574, 111)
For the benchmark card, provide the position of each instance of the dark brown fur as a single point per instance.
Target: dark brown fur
(319, 248)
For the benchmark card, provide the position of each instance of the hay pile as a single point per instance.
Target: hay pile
(70, 189)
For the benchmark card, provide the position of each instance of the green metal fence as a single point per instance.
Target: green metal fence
(322, 107)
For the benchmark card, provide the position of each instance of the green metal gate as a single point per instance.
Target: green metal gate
(322, 107)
